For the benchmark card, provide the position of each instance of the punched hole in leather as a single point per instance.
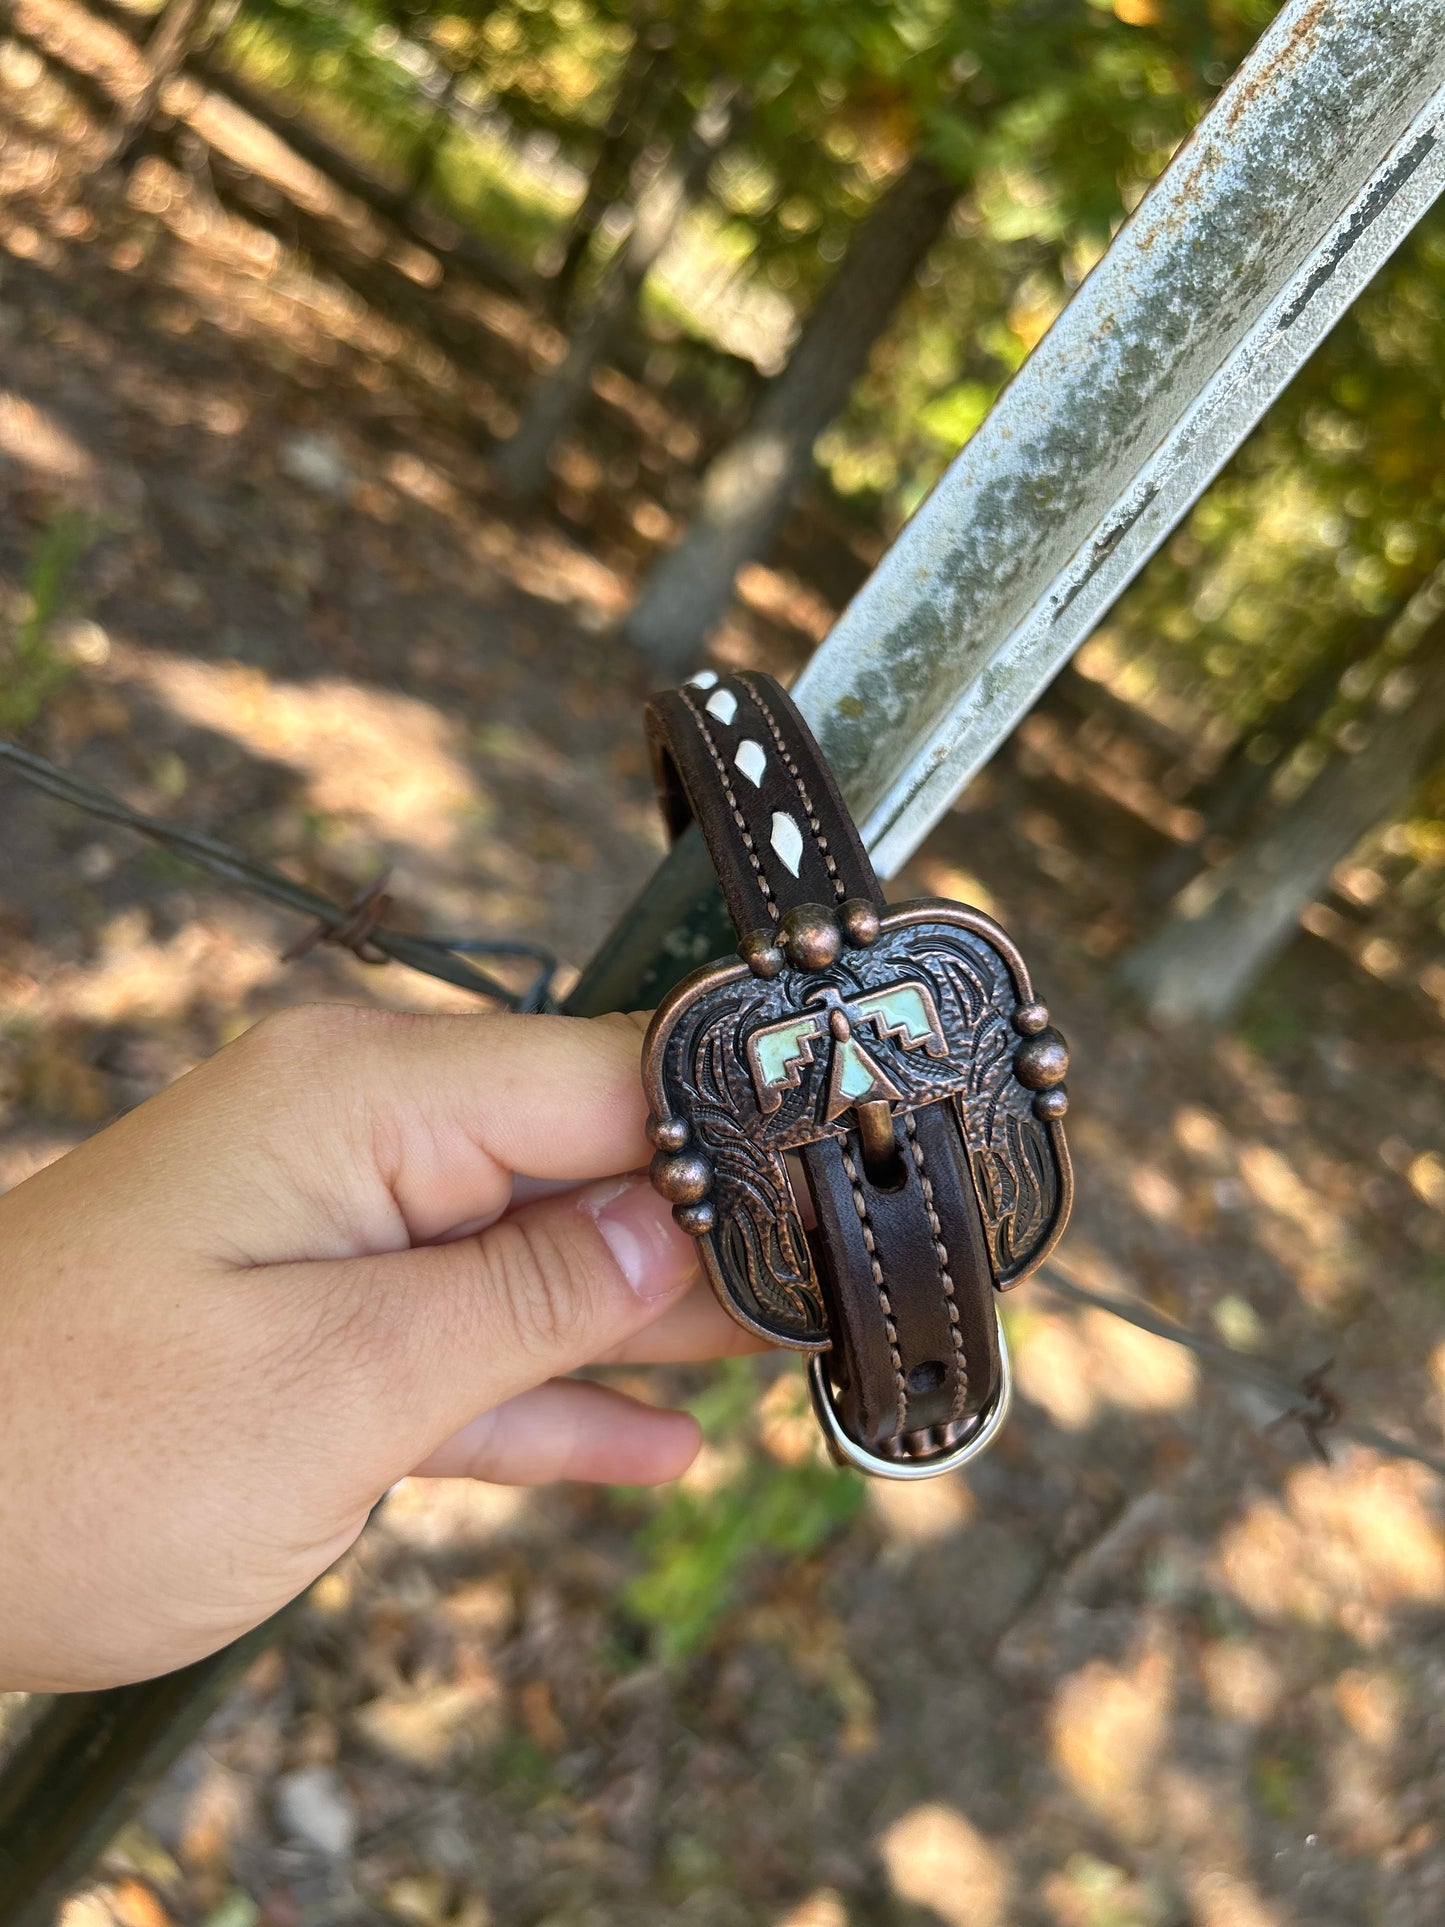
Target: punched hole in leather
(895, 1059)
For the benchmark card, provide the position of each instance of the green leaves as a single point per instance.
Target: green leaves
(953, 416)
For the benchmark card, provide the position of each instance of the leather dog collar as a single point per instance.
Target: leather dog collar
(896, 1060)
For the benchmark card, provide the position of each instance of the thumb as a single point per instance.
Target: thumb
(414, 1345)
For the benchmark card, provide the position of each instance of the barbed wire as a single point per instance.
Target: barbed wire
(356, 926)
(1309, 1400)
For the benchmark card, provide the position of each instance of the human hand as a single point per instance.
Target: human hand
(235, 1317)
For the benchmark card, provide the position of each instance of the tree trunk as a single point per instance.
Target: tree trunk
(642, 96)
(1242, 780)
(1230, 922)
(179, 23)
(749, 487)
(522, 465)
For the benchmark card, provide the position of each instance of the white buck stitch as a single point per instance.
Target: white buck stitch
(723, 704)
(704, 679)
(787, 840)
(752, 760)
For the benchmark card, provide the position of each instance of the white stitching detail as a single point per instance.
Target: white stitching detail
(941, 1253)
(860, 1205)
(818, 837)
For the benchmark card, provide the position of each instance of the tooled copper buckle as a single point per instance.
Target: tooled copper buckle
(860, 1120)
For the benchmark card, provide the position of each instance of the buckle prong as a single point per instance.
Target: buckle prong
(880, 1147)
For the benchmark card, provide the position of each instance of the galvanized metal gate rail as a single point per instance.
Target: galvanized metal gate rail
(1310, 169)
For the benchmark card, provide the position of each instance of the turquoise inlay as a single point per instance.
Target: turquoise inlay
(856, 1076)
(780, 1048)
(902, 1011)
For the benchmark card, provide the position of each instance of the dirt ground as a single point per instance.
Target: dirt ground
(1152, 1662)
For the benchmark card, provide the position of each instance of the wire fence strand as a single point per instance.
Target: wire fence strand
(1308, 1400)
(352, 926)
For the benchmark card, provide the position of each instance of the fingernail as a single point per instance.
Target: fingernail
(636, 1225)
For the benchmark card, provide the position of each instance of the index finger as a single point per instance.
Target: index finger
(329, 1131)
(454, 1107)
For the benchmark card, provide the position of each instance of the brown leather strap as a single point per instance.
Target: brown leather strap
(901, 1252)
(925, 1271)
(736, 755)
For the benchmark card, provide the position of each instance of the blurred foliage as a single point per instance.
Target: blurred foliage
(345, 66)
(1052, 116)
(1329, 519)
(1055, 115)
(702, 1543)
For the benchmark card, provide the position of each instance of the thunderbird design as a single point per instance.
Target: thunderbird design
(778, 1054)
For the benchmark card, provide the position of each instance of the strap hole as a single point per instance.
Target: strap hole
(927, 1377)
(890, 1174)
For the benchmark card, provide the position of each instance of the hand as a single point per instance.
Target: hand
(230, 1321)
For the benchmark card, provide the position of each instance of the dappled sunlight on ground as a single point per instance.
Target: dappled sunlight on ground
(920, 1514)
(1109, 1727)
(437, 1711)
(23, 1157)
(1371, 1704)
(787, 1429)
(939, 879)
(1090, 1892)
(1300, 1226)
(32, 437)
(1075, 1364)
(431, 1513)
(541, 563)
(425, 1725)
(1241, 1681)
(1342, 1546)
(936, 1859)
(386, 759)
(823, 1908)
(1225, 1900)
(133, 978)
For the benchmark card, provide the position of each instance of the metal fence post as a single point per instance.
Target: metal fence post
(86, 1764)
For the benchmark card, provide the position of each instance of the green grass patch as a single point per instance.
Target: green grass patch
(700, 1550)
(31, 671)
(1280, 1778)
(1276, 1022)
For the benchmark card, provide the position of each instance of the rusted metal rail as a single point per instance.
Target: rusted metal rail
(1307, 173)
(1311, 168)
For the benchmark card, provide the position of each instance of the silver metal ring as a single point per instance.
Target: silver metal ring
(878, 1467)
